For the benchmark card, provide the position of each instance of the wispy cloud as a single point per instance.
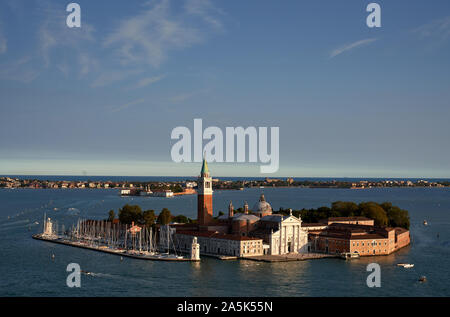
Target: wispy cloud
(206, 11)
(53, 34)
(87, 63)
(20, 70)
(144, 82)
(3, 43)
(141, 41)
(149, 36)
(439, 29)
(350, 46)
(128, 105)
(185, 96)
(110, 77)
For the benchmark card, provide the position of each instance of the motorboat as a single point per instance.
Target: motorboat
(406, 265)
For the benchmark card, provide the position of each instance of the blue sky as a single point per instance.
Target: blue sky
(103, 99)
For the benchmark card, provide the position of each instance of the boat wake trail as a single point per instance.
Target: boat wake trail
(13, 223)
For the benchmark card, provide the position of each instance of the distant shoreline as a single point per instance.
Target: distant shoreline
(183, 178)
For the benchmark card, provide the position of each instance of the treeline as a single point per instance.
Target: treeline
(384, 214)
(133, 213)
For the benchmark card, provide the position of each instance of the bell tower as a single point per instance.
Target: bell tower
(204, 199)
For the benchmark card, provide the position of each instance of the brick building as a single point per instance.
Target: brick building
(364, 240)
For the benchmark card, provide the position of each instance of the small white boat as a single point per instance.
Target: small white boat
(425, 223)
(406, 265)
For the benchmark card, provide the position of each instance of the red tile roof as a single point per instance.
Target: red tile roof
(356, 218)
(216, 235)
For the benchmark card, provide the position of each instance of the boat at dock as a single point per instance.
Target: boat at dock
(123, 240)
(349, 255)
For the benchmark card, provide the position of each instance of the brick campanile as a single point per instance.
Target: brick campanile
(204, 199)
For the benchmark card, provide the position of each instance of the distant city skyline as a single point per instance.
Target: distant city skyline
(350, 101)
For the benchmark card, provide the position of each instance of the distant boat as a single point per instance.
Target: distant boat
(425, 223)
(86, 272)
(423, 279)
(406, 265)
(349, 255)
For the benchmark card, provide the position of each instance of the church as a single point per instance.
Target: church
(254, 232)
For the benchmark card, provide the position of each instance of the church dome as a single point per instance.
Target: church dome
(262, 206)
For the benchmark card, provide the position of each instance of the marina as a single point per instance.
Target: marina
(133, 242)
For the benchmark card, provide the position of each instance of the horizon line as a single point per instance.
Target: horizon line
(218, 177)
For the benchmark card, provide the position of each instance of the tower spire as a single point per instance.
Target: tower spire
(205, 170)
(205, 192)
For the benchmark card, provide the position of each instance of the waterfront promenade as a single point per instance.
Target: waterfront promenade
(290, 257)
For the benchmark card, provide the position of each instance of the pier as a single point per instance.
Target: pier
(126, 253)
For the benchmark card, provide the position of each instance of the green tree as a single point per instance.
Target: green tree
(176, 188)
(180, 219)
(398, 217)
(164, 217)
(345, 208)
(374, 211)
(149, 217)
(111, 215)
(130, 213)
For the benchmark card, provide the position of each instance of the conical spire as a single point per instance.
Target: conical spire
(205, 169)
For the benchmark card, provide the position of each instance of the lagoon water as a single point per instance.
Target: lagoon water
(27, 268)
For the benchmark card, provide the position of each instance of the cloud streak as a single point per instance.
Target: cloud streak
(439, 28)
(351, 46)
(3, 43)
(110, 77)
(19, 70)
(128, 105)
(144, 82)
(186, 96)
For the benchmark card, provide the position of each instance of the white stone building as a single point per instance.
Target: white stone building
(282, 234)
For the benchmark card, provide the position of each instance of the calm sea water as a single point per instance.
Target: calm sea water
(27, 268)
